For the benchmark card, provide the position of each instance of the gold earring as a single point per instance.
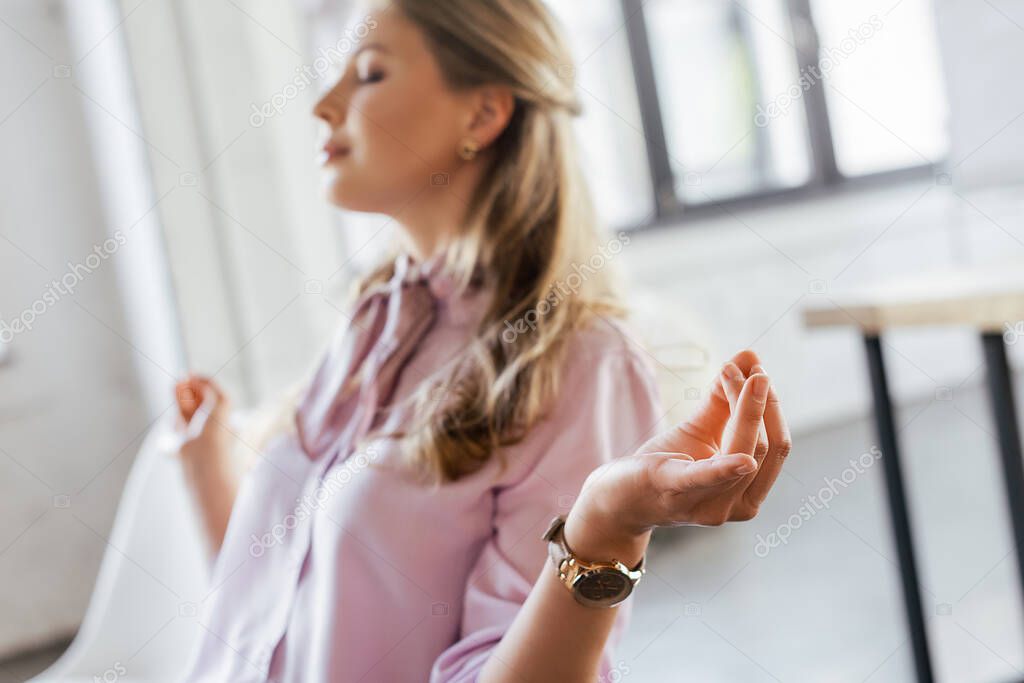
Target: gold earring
(469, 149)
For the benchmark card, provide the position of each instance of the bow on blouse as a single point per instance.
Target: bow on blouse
(360, 371)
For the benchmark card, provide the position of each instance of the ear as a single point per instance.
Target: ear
(493, 106)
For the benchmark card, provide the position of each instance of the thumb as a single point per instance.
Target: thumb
(675, 475)
(220, 402)
(214, 409)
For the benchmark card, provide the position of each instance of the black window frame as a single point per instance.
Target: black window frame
(826, 178)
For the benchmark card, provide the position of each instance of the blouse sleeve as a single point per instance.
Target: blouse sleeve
(607, 407)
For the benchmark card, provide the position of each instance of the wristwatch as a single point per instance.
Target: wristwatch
(594, 584)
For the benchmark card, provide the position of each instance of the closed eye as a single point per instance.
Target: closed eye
(372, 78)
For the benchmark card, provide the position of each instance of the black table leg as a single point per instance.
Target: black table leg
(1000, 387)
(901, 526)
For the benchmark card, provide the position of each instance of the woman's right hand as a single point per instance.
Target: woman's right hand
(206, 453)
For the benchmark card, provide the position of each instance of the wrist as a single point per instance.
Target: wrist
(204, 460)
(593, 540)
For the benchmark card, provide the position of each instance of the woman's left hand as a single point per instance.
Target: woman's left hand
(717, 467)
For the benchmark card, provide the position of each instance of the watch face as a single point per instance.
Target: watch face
(603, 586)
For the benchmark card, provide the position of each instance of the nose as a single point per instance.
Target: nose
(331, 107)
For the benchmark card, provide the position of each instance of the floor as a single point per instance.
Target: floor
(737, 604)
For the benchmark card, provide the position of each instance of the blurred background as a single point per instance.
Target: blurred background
(160, 210)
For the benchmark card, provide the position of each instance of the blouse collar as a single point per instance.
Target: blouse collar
(442, 283)
(389, 323)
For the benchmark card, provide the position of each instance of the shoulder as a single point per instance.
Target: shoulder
(606, 358)
(605, 403)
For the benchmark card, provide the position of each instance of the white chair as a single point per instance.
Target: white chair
(141, 622)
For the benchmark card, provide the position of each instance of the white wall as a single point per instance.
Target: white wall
(70, 404)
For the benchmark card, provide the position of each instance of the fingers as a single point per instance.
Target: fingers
(747, 417)
(208, 383)
(762, 434)
(188, 398)
(712, 416)
(666, 454)
(745, 360)
(197, 391)
(732, 381)
(779, 445)
(677, 475)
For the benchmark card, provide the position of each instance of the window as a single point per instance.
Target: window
(711, 101)
(894, 83)
(611, 130)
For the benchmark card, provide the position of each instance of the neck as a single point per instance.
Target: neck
(431, 221)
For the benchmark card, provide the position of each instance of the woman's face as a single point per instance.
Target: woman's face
(392, 121)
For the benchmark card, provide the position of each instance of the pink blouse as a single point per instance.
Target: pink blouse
(337, 567)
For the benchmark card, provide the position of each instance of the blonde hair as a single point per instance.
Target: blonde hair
(531, 224)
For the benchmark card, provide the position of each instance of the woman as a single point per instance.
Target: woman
(481, 388)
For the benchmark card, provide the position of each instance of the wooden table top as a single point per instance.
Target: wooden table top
(989, 297)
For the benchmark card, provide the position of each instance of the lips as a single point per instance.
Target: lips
(333, 150)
